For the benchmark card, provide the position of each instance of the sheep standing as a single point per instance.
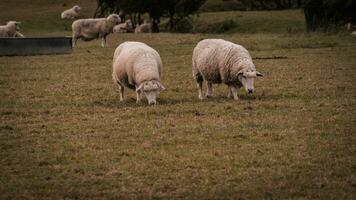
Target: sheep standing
(71, 13)
(124, 27)
(137, 66)
(89, 29)
(10, 29)
(219, 61)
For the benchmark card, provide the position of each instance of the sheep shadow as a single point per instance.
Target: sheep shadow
(130, 102)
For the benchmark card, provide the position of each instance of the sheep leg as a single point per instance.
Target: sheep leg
(229, 95)
(103, 42)
(138, 96)
(121, 91)
(200, 90)
(233, 90)
(209, 92)
(74, 41)
(199, 79)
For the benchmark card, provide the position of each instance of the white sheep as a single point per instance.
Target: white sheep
(137, 66)
(71, 13)
(144, 28)
(125, 27)
(10, 29)
(219, 61)
(89, 29)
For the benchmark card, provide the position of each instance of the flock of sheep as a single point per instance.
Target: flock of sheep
(89, 29)
(138, 66)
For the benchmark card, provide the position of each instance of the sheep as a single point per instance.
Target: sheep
(144, 28)
(89, 29)
(124, 27)
(219, 61)
(10, 29)
(137, 66)
(71, 13)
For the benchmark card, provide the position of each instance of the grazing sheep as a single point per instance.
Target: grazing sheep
(71, 13)
(144, 28)
(219, 61)
(10, 29)
(353, 33)
(89, 29)
(124, 27)
(137, 66)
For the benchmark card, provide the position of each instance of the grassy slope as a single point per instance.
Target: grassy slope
(42, 15)
(64, 134)
(285, 21)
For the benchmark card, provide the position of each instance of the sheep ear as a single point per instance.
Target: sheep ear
(139, 87)
(259, 74)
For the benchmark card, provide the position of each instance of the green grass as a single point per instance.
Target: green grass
(65, 135)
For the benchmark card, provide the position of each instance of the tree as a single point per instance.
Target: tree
(322, 14)
(174, 10)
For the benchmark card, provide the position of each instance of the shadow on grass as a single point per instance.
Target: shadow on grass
(130, 102)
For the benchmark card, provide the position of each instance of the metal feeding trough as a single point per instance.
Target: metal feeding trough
(35, 46)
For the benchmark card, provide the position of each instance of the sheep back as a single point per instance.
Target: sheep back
(219, 61)
(134, 63)
(91, 28)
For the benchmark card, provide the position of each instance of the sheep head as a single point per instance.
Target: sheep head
(14, 25)
(150, 89)
(114, 18)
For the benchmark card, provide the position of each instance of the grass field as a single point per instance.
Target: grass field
(65, 135)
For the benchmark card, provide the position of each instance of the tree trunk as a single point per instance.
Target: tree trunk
(299, 3)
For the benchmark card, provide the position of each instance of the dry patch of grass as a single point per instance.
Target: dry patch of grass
(64, 133)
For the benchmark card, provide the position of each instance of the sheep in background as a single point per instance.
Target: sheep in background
(10, 29)
(89, 29)
(146, 27)
(71, 13)
(137, 66)
(219, 61)
(124, 27)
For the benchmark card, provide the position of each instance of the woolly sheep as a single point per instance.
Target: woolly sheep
(144, 28)
(71, 13)
(219, 61)
(124, 27)
(89, 29)
(10, 29)
(137, 66)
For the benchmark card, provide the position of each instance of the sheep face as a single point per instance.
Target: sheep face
(114, 18)
(151, 89)
(77, 8)
(247, 79)
(14, 24)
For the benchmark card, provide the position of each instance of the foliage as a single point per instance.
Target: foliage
(175, 10)
(228, 5)
(325, 14)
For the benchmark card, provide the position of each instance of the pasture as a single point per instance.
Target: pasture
(65, 135)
